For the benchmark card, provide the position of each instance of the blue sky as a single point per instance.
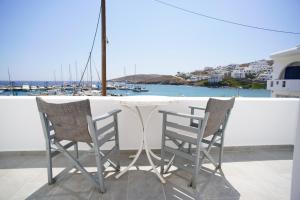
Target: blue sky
(37, 37)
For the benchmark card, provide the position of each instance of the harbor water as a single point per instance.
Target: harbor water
(194, 91)
(155, 89)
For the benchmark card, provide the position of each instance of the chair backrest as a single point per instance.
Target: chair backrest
(218, 113)
(68, 120)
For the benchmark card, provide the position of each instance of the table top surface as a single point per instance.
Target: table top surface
(145, 100)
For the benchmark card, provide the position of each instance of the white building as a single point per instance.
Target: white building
(257, 67)
(264, 76)
(194, 78)
(238, 74)
(215, 78)
(286, 73)
(232, 66)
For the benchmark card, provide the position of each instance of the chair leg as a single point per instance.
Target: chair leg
(195, 178)
(190, 148)
(76, 150)
(100, 178)
(198, 164)
(118, 165)
(221, 152)
(117, 143)
(162, 162)
(51, 180)
(163, 143)
(100, 172)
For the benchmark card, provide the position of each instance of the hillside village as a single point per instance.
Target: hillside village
(248, 75)
(251, 75)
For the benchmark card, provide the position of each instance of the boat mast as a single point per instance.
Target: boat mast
(76, 72)
(87, 78)
(54, 75)
(10, 83)
(134, 75)
(103, 41)
(70, 75)
(61, 74)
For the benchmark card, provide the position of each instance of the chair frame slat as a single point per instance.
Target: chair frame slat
(102, 139)
(180, 153)
(108, 154)
(172, 134)
(182, 127)
(105, 128)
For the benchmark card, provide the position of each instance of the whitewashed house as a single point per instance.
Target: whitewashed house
(232, 66)
(238, 74)
(286, 73)
(257, 67)
(195, 78)
(264, 76)
(215, 78)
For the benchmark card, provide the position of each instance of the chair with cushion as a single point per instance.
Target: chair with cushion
(193, 141)
(66, 124)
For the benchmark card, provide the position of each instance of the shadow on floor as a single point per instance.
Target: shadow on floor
(31, 160)
(25, 177)
(209, 186)
(139, 185)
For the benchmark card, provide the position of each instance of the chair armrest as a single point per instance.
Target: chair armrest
(106, 115)
(180, 115)
(196, 108)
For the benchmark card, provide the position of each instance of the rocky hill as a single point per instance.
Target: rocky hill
(151, 79)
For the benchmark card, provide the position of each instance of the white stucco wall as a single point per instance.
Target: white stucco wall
(295, 193)
(283, 59)
(254, 121)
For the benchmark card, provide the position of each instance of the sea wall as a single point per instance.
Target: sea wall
(254, 121)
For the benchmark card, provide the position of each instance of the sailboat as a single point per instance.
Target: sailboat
(138, 88)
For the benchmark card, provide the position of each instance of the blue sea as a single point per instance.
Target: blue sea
(192, 91)
(161, 90)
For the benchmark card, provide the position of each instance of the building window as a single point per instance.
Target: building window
(283, 83)
(292, 71)
(271, 83)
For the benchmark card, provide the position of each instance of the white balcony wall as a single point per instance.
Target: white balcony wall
(295, 192)
(254, 121)
(284, 85)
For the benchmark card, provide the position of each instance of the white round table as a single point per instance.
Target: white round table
(134, 103)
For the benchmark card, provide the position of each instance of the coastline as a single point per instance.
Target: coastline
(245, 83)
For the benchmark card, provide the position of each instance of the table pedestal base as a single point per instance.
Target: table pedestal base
(143, 144)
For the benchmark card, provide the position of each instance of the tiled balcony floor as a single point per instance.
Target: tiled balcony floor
(250, 174)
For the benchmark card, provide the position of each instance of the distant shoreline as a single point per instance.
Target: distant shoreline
(226, 83)
(174, 80)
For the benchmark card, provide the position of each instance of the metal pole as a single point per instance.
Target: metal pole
(91, 74)
(103, 23)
